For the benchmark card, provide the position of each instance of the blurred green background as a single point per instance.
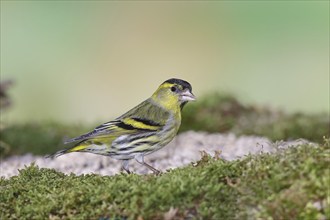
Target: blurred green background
(86, 61)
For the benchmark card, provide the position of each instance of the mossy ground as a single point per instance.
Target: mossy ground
(291, 184)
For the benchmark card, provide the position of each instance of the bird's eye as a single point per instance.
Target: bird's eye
(173, 89)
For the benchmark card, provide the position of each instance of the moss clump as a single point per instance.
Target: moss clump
(5, 103)
(36, 138)
(224, 113)
(292, 184)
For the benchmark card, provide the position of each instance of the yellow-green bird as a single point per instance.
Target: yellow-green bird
(141, 131)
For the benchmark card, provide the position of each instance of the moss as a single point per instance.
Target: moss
(292, 184)
(37, 138)
(212, 113)
(224, 113)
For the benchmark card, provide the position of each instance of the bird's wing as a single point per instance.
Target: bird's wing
(144, 118)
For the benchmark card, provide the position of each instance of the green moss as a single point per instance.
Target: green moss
(290, 185)
(212, 113)
(36, 138)
(224, 113)
(286, 185)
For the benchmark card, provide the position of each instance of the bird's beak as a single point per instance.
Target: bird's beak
(187, 96)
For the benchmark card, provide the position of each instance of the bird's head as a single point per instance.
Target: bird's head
(173, 93)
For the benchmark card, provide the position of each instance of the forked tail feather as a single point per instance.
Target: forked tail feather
(58, 153)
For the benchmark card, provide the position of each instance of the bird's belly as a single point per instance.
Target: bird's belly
(165, 138)
(128, 146)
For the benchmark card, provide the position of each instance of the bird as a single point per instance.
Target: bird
(144, 129)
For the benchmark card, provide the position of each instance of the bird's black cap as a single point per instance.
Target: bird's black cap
(184, 84)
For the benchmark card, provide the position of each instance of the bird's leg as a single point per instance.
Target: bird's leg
(124, 166)
(154, 170)
(140, 160)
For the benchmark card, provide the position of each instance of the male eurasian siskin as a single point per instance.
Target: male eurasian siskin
(144, 129)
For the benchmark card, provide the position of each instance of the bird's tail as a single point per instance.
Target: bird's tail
(58, 153)
(76, 148)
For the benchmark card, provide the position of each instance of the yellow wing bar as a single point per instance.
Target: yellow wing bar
(140, 124)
